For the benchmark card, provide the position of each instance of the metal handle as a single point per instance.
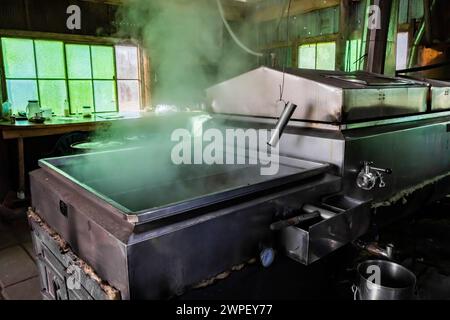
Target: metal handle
(293, 221)
(381, 170)
(355, 291)
(324, 214)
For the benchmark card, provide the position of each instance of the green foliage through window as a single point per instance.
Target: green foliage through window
(78, 61)
(18, 55)
(53, 94)
(81, 94)
(54, 72)
(50, 59)
(103, 62)
(353, 55)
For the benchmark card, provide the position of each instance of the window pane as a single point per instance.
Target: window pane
(53, 93)
(307, 56)
(78, 61)
(327, 23)
(103, 62)
(128, 95)
(402, 50)
(416, 9)
(326, 56)
(403, 11)
(312, 23)
(18, 55)
(80, 92)
(20, 91)
(105, 96)
(352, 55)
(127, 62)
(50, 59)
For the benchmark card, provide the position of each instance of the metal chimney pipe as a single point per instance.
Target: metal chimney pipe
(288, 111)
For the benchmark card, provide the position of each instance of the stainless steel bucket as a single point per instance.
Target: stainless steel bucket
(384, 280)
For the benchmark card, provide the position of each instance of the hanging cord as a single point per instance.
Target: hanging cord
(283, 10)
(287, 50)
(233, 35)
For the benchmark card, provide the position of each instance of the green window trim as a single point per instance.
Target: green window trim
(354, 57)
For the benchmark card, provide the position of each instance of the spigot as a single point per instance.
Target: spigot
(374, 249)
(369, 176)
(282, 123)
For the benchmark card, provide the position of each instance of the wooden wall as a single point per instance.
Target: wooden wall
(50, 16)
(273, 11)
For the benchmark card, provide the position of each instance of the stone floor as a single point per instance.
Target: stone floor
(18, 271)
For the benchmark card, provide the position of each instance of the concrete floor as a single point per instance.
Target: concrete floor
(18, 271)
(423, 243)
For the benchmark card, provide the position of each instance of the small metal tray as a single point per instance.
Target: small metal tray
(308, 243)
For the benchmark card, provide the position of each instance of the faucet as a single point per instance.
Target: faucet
(375, 249)
(369, 175)
(282, 123)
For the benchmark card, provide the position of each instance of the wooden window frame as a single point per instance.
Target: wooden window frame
(143, 59)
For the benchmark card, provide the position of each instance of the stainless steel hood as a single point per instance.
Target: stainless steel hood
(439, 93)
(153, 229)
(322, 96)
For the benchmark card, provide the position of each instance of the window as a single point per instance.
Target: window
(128, 83)
(311, 24)
(410, 9)
(53, 72)
(316, 23)
(320, 55)
(402, 50)
(91, 77)
(353, 55)
(20, 71)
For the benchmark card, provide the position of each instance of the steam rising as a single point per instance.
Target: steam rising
(142, 175)
(189, 51)
(186, 45)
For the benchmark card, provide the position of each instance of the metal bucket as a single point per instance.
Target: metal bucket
(384, 280)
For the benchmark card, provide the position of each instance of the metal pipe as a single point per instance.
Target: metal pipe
(282, 123)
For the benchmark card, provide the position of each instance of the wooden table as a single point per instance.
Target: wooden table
(22, 129)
